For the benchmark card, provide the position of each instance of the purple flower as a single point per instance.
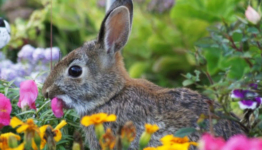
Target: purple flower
(6, 64)
(20, 69)
(26, 52)
(248, 99)
(253, 85)
(38, 54)
(8, 74)
(55, 54)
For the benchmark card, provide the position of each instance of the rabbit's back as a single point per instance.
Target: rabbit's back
(171, 109)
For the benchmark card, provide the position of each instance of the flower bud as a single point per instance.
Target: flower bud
(252, 15)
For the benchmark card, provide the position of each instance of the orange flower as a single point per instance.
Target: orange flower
(128, 131)
(150, 129)
(96, 119)
(108, 140)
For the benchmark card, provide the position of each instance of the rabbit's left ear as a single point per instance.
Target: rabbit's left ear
(115, 29)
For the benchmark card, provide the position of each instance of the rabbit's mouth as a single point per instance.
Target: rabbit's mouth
(66, 101)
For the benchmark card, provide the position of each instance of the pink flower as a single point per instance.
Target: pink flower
(5, 110)
(57, 107)
(28, 94)
(252, 15)
(237, 142)
(208, 142)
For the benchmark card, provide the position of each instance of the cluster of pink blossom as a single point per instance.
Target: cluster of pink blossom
(28, 94)
(237, 142)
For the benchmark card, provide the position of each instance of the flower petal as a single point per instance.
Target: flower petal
(22, 128)
(58, 135)
(247, 104)
(57, 107)
(15, 122)
(86, 121)
(61, 125)
(111, 118)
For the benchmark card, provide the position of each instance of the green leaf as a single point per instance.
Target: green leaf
(253, 30)
(187, 82)
(184, 132)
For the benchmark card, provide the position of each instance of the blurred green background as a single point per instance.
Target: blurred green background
(160, 48)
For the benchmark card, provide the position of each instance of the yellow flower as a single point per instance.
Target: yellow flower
(177, 142)
(108, 140)
(56, 131)
(150, 148)
(146, 135)
(28, 126)
(174, 147)
(150, 129)
(97, 119)
(6, 138)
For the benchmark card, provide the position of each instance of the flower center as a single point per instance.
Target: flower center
(3, 110)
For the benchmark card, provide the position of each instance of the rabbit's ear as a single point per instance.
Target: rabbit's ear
(115, 29)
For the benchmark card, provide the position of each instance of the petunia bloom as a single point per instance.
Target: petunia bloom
(28, 94)
(57, 107)
(252, 15)
(5, 110)
(248, 99)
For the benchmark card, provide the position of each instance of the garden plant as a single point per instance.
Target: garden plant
(214, 47)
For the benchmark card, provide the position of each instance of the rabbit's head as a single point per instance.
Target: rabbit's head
(92, 74)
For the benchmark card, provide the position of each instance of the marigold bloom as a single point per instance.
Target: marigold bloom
(28, 94)
(28, 126)
(5, 140)
(56, 131)
(57, 107)
(5, 110)
(252, 15)
(108, 140)
(96, 119)
(174, 147)
(150, 129)
(177, 142)
(146, 135)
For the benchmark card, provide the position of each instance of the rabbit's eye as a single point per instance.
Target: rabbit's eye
(75, 71)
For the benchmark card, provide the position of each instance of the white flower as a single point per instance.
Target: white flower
(252, 15)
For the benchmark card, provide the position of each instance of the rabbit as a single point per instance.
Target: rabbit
(93, 79)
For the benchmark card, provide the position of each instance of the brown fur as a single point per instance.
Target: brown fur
(105, 86)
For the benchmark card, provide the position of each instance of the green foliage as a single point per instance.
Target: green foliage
(230, 58)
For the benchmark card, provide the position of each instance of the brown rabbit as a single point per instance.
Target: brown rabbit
(93, 79)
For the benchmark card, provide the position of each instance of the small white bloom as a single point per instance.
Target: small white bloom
(252, 15)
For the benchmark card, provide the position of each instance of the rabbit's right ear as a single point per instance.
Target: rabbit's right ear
(115, 29)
